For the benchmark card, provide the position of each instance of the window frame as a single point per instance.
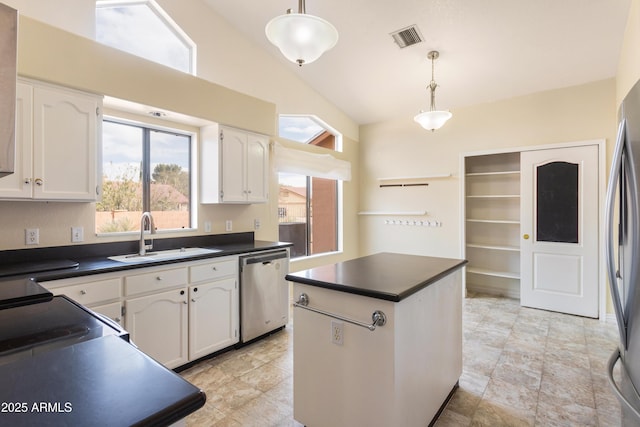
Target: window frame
(146, 158)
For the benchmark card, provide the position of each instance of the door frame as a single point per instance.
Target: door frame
(602, 178)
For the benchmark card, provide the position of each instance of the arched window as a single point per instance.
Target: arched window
(142, 28)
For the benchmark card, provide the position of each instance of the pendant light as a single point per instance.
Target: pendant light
(301, 38)
(432, 119)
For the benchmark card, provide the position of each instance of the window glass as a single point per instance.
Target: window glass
(308, 214)
(144, 169)
(143, 29)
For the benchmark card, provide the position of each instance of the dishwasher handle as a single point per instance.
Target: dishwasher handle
(264, 259)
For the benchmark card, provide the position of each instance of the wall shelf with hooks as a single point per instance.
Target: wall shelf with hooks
(409, 181)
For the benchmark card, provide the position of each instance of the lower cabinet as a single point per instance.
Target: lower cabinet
(213, 317)
(175, 313)
(158, 325)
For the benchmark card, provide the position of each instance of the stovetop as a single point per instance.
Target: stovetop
(22, 291)
(32, 321)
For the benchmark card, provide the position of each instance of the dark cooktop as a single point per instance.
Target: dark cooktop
(43, 325)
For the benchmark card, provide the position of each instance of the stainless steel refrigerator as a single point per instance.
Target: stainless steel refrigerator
(622, 234)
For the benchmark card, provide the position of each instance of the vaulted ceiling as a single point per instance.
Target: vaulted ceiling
(489, 49)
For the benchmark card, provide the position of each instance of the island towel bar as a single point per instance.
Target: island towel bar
(378, 317)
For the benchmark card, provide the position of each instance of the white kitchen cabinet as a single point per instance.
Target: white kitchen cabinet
(175, 313)
(213, 306)
(157, 324)
(235, 166)
(57, 144)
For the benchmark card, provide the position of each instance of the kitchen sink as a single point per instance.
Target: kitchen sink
(164, 255)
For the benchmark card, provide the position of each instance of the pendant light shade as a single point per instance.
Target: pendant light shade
(432, 119)
(301, 38)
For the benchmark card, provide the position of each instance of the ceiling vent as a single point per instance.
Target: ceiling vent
(407, 36)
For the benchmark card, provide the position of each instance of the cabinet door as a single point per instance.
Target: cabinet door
(18, 184)
(158, 326)
(65, 141)
(112, 311)
(213, 317)
(233, 165)
(257, 168)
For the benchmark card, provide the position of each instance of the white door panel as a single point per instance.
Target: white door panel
(559, 228)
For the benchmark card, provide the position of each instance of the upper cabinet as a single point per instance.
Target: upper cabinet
(57, 145)
(235, 166)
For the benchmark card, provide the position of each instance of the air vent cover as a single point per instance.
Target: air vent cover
(407, 36)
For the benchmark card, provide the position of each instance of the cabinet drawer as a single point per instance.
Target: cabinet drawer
(155, 281)
(91, 292)
(213, 270)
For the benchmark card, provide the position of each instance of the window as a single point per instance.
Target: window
(144, 169)
(142, 28)
(308, 205)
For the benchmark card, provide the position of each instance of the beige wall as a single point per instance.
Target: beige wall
(629, 64)
(402, 148)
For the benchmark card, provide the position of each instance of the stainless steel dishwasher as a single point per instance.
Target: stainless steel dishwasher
(264, 293)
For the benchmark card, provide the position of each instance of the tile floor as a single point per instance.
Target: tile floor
(522, 367)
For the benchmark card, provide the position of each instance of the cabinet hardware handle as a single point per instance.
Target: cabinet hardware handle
(215, 269)
(185, 302)
(158, 277)
(193, 300)
(39, 181)
(83, 292)
(195, 289)
(27, 180)
(525, 237)
(181, 292)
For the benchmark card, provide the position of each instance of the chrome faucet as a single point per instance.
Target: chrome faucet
(146, 219)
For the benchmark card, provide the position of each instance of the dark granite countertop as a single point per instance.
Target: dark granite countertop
(53, 263)
(100, 382)
(387, 276)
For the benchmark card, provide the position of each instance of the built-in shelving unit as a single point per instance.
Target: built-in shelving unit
(492, 223)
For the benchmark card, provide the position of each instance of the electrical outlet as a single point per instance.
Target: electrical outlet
(207, 226)
(77, 234)
(228, 225)
(32, 236)
(256, 224)
(337, 332)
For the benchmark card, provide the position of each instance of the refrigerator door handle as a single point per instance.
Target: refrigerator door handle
(616, 168)
(623, 400)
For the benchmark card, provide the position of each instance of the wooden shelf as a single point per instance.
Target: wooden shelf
(493, 221)
(485, 272)
(517, 172)
(494, 247)
(494, 196)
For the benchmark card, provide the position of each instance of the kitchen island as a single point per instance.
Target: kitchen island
(377, 340)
